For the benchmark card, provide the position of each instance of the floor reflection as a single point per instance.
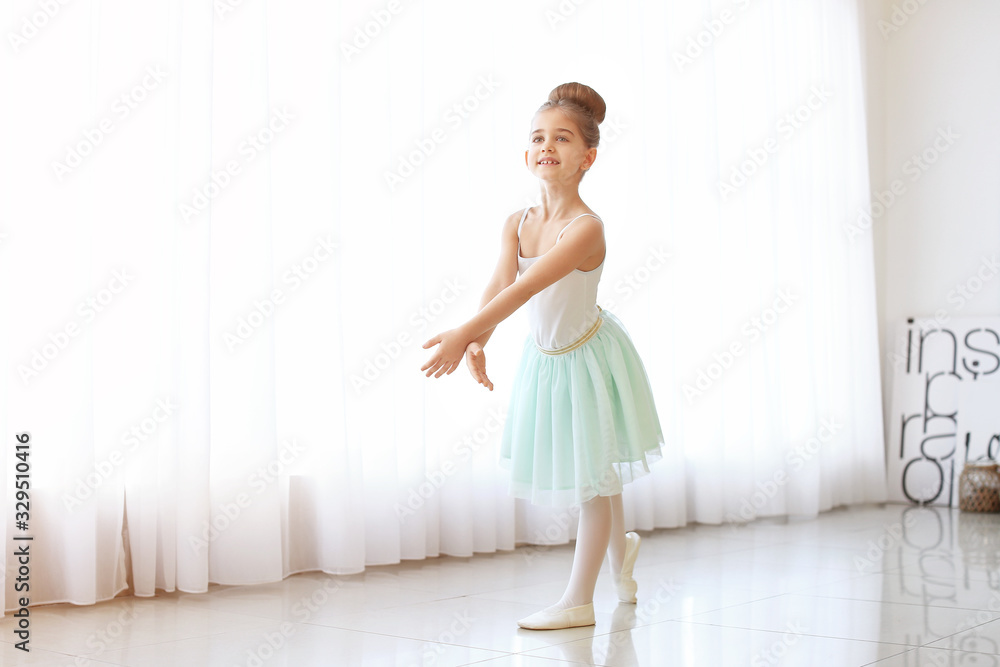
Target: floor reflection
(884, 586)
(947, 556)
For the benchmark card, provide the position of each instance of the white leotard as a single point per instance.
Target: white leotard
(566, 309)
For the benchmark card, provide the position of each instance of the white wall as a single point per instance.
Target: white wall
(933, 65)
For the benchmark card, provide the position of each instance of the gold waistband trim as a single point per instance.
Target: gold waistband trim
(581, 340)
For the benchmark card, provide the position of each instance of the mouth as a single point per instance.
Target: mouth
(548, 162)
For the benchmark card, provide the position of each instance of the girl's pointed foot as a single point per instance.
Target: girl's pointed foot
(623, 581)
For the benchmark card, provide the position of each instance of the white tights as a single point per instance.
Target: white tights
(602, 529)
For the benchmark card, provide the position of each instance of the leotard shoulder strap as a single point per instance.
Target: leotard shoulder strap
(563, 231)
(523, 216)
(572, 221)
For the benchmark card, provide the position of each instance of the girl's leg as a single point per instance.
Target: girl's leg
(616, 549)
(591, 545)
(575, 607)
(623, 547)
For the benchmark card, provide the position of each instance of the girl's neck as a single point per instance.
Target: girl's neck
(558, 203)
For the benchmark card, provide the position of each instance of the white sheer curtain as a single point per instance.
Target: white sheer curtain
(228, 228)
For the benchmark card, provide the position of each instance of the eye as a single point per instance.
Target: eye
(563, 138)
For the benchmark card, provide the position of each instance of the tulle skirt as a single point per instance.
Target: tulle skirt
(582, 423)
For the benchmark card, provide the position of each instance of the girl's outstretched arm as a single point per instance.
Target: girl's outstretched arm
(579, 243)
(505, 272)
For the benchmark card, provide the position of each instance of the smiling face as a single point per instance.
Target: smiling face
(556, 150)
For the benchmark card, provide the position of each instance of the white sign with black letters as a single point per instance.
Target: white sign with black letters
(945, 406)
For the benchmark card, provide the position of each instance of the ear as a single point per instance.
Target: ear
(526, 159)
(591, 156)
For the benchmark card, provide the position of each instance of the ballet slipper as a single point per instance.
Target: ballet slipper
(558, 619)
(623, 581)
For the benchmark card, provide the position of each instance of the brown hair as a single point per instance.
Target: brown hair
(583, 105)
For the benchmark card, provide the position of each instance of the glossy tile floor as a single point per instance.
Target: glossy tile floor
(886, 585)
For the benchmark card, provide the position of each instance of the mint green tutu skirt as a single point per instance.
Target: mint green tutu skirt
(582, 423)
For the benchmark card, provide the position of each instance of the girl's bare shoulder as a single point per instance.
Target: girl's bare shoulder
(512, 221)
(516, 215)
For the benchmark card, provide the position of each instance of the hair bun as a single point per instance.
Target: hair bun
(581, 94)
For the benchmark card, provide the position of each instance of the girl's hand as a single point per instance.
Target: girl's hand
(476, 360)
(447, 357)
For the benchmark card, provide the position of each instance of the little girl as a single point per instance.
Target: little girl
(581, 421)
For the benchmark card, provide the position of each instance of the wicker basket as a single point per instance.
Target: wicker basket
(979, 488)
